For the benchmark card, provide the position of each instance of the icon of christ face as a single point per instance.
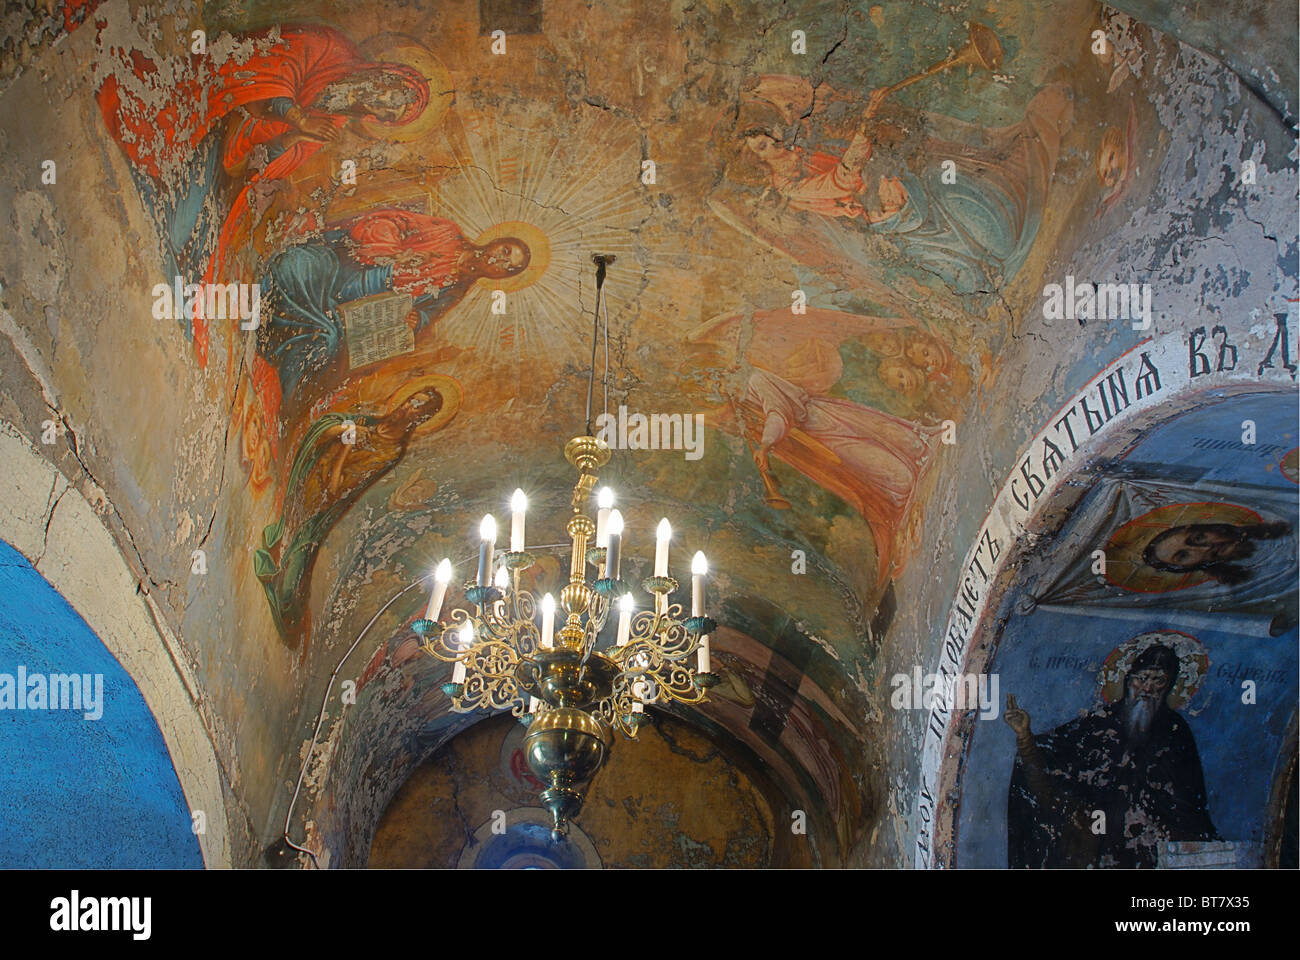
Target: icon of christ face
(1189, 547)
(1210, 547)
(502, 258)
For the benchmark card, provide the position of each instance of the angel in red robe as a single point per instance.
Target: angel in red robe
(252, 118)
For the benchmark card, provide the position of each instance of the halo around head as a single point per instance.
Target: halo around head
(539, 253)
(1289, 467)
(1193, 664)
(1125, 567)
(395, 48)
(448, 388)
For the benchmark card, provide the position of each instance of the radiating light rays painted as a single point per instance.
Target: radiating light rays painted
(580, 187)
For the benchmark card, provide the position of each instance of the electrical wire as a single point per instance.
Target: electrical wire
(320, 719)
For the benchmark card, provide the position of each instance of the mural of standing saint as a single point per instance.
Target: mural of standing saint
(1106, 789)
(341, 457)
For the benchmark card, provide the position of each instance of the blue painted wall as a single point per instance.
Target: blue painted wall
(1049, 659)
(76, 792)
(1238, 745)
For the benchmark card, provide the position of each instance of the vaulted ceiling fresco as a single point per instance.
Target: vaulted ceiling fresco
(313, 291)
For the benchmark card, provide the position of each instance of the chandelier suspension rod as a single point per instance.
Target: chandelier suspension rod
(601, 260)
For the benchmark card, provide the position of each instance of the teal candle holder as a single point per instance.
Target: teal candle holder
(699, 626)
(610, 588)
(518, 560)
(482, 596)
(659, 585)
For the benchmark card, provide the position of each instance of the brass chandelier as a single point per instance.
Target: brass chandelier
(508, 655)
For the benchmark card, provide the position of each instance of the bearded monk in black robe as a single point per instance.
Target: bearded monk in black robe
(1134, 761)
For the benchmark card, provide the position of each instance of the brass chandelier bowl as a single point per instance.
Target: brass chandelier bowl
(571, 696)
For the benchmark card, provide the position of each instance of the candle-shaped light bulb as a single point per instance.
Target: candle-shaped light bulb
(614, 545)
(604, 502)
(518, 507)
(548, 622)
(699, 567)
(624, 618)
(663, 534)
(502, 582)
(640, 690)
(441, 577)
(465, 640)
(487, 532)
(534, 705)
(704, 663)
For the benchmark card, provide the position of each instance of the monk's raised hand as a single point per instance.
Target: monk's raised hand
(1016, 718)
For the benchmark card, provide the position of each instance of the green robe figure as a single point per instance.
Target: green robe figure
(339, 459)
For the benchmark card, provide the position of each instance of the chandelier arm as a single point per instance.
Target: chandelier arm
(492, 627)
(528, 674)
(665, 633)
(678, 682)
(493, 659)
(525, 606)
(597, 614)
(493, 693)
(445, 646)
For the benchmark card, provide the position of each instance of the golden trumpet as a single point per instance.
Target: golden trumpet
(981, 49)
(771, 492)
